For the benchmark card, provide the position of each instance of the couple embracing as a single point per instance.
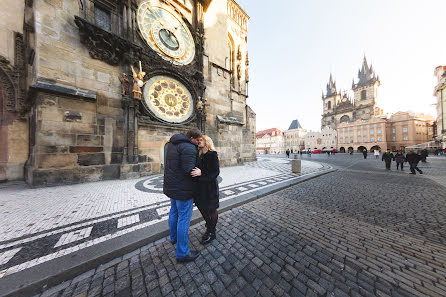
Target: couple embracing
(190, 174)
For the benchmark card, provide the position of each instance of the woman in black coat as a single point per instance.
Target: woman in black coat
(208, 192)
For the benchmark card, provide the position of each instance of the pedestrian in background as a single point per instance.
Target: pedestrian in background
(364, 153)
(376, 153)
(400, 159)
(413, 160)
(423, 155)
(180, 187)
(287, 152)
(387, 158)
(208, 192)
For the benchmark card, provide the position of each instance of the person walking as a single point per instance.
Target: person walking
(364, 153)
(423, 155)
(181, 187)
(287, 152)
(376, 153)
(208, 192)
(413, 160)
(387, 158)
(400, 159)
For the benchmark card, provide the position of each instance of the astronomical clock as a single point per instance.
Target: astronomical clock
(166, 97)
(165, 32)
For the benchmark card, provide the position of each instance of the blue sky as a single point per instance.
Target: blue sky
(294, 45)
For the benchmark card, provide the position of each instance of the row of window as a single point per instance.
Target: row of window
(405, 129)
(359, 139)
(405, 123)
(372, 132)
(362, 127)
(372, 139)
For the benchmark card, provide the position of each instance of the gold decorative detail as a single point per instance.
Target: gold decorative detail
(138, 81)
(165, 32)
(168, 99)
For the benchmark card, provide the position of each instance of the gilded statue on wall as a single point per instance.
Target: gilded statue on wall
(138, 82)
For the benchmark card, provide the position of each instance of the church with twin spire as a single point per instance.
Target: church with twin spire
(338, 107)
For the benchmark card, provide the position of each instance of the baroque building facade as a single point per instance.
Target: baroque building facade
(440, 93)
(339, 108)
(394, 132)
(325, 140)
(94, 89)
(270, 141)
(295, 137)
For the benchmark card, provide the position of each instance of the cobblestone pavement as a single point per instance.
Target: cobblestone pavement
(361, 231)
(38, 225)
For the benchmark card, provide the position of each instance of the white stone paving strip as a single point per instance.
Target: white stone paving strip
(242, 189)
(74, 236)
(253, 185)
(228, 192)
(72, 249)
(6, 256)
(122, 222)
(163, 210)
(2, 246)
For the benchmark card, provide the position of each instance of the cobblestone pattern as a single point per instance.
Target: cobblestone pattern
(101, 211)
(345, 234)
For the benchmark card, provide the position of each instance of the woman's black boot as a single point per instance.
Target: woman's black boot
(210, 236)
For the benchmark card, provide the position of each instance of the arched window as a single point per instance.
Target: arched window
(363, 94)
(329, 105)
(344, 118)
(231, 54)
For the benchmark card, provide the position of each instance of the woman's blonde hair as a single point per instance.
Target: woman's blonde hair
(209, 143)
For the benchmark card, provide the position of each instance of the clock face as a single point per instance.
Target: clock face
(165, 32)
(168, 99)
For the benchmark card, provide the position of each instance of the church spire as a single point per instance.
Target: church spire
(366, 73)
(331, 87)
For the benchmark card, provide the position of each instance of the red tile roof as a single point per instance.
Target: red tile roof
(269, 132)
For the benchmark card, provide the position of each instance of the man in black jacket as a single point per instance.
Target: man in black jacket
(387, 158)
(413, 160)
(180, 187)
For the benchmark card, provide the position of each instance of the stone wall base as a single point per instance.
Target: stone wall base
(129, 171)
(37, 177)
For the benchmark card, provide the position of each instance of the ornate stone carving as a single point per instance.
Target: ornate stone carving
(101, 45)
(9, 80)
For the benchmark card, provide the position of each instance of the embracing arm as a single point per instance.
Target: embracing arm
(213, 169)
(188, 155)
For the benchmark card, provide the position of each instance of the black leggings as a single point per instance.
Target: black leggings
(397, 165)
(211, 218)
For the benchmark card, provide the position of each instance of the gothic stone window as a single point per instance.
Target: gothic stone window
(363, 94)
(329, 105)
(102, 17)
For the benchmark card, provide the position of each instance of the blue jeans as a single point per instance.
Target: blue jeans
(179, 222)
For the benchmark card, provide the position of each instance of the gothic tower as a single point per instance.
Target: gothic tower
(329, 102)
(366, 92)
